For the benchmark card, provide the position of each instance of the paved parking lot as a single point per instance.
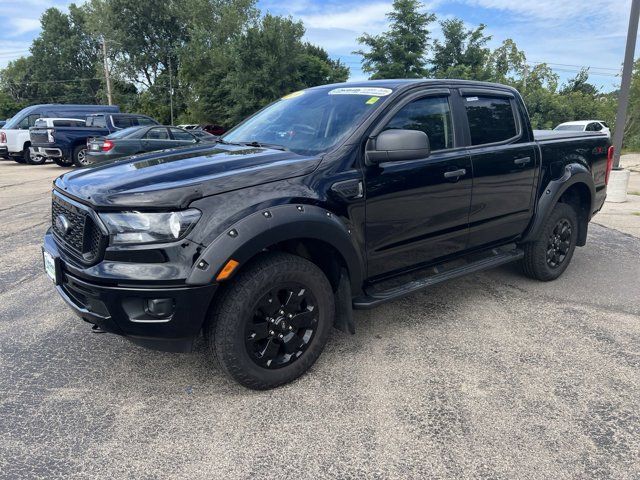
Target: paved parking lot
(489, 376)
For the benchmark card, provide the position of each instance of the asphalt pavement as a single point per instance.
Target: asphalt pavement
(491, 376)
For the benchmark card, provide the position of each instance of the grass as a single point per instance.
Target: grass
(637, 214)
(634, 192)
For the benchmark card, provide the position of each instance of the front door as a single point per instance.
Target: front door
(417, 210)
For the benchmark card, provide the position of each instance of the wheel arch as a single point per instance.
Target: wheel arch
(305, 230)
(576, 188)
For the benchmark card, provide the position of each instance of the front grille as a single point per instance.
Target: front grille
(76, 230)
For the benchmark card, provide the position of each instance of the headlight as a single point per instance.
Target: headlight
(149, 227)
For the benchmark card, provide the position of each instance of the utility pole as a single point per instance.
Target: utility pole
(171, 90)
(106, 70)
(625, 85)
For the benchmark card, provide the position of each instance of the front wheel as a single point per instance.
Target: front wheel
(547, 257)
(272, 322)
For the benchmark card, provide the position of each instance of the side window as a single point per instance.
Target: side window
(145, 121)
(597, 127)
(431, 115)
(179, 134)
(491, 119)
(157, 134)
(121, 122)
(28, 121)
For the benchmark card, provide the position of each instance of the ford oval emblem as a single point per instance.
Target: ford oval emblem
(62, 224)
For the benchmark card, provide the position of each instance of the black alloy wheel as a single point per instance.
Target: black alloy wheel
(283, 325)
(559, 243)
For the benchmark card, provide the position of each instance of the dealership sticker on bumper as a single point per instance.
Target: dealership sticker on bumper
(49, 265)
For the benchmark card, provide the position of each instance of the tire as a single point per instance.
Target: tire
(245, 322)
(32, 159)
(80, 156)
(547, 257)
(18, 158)
(63, 162)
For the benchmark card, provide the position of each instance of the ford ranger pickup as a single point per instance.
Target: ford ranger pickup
(333, 198)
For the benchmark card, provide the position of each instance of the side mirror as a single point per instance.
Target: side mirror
(396, 145)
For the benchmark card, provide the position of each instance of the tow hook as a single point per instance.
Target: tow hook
(97, 329)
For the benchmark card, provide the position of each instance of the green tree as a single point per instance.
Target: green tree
(269, 60)
(401, 51)
(508, 63)
(463, 53)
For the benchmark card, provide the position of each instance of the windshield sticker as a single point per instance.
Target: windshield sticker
(372, 100)
(293, 95)
(369, 91)
(472, 99)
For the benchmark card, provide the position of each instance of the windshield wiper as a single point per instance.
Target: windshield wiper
(275, 146)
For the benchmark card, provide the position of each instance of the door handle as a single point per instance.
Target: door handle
(455, 173)
(522, 161)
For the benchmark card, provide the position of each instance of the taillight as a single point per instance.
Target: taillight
(50, 136)
(3, 137)
(107, 145)
(610, 153)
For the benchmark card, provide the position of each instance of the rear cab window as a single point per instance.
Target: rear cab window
(68, 123)
(492, 119)
(97, 121)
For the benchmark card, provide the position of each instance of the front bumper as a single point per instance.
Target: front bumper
(123, 309)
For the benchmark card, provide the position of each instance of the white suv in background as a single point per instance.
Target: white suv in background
(586, 126)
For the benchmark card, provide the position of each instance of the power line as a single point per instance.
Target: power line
(29, 82)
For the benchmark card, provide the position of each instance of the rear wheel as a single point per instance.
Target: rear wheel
(32, 159)
(63, 162)
(549, 255)
(272, 323)
(80, 156)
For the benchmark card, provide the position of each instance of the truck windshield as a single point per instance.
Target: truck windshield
(310, 121)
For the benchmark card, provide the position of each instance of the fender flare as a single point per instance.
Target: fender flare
(574, 173)
(272, 225)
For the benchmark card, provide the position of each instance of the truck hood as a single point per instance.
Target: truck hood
(176, 177)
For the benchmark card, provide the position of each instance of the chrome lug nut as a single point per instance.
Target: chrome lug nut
(271, 332)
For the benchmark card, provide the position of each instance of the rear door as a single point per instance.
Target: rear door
(181, 137)
(505, 165)
(417, 210)
(157, 138)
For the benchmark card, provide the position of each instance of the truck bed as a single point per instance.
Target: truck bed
(547, 135)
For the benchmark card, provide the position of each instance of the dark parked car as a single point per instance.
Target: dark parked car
(214, 129)
(134, 140)
(204, 136)
(66, 144)
(333, 198)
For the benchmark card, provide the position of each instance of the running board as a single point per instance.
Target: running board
(495, 258)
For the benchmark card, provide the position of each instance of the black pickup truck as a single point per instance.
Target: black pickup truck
(332, 198)
(66, 143)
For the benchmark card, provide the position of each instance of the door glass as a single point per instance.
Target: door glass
(181, 135)
(157, 134)
(430, 115)
(491, 119)
(122, 122)
(145, 121)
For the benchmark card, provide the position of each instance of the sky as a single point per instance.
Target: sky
(566, 34)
